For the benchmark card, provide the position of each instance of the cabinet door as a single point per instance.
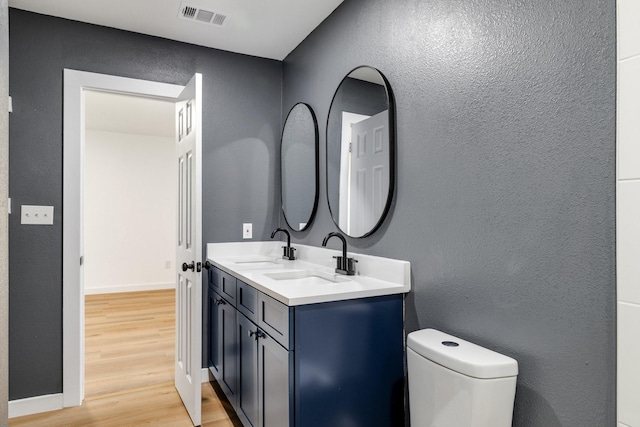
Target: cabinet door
(215, 336)
(227, 327)
(247, 371)
(275, 318)
(274, 384)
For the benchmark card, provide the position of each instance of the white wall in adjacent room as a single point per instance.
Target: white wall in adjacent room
(129, 212)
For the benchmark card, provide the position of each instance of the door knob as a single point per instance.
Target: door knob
(258, 334)
(186, 266)
(207, 264)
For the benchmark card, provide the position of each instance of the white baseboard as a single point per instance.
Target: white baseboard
(206, 375)
(52, 402)
(35, 405)
(128, 288)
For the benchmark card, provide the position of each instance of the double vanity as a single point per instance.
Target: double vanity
(293, 343)
(296, 337)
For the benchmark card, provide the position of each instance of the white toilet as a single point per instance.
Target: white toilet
(454, 383)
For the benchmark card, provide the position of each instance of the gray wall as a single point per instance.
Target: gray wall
(242, 119)
(4, 187)
(505, 183)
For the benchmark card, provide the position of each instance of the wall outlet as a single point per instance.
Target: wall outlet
(36, 215)
(247, 230)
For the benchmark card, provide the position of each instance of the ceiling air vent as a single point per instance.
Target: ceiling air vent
(189, 12)
(196, 14)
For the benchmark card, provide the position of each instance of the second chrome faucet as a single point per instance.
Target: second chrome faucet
(344, 264)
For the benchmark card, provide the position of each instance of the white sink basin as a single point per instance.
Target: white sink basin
(307, 277)
(254, 262)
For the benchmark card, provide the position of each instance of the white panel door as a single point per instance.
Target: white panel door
(369, 184)
(188, 357)
(348, 119)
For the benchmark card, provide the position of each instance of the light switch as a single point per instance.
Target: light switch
(36, 215)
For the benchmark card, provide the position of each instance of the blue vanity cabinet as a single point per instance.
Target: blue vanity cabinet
(332, 364)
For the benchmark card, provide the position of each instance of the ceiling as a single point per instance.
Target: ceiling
(264, 28)
(115, 112)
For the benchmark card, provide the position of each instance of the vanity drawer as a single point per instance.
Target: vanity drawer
(274, 318)
(228, 285)
(214, 278)
(247, 300)
(224, 284)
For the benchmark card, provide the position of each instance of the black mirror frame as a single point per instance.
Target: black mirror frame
(392, 152)
(314, 209)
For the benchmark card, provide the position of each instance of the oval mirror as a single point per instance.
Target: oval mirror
(299, 167)
(360, 152)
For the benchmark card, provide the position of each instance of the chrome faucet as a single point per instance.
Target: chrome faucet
(289, 252)
(344, 265)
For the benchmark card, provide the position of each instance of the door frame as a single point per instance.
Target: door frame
(75, 83)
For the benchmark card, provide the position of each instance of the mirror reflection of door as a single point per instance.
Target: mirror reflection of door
(344, 204)
(360, 161)
(369, 163)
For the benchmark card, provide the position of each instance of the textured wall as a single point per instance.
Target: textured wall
(505, 182)
(4, 187)
(242, 120)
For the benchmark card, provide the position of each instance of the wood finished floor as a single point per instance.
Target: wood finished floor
(129, 348)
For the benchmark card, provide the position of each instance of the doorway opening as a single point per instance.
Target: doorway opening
(76, 85)
(129, 241)
(188, 157)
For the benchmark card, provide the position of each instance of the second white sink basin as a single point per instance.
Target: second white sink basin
(307, 277)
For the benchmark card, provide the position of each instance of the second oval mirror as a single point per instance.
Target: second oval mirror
(299, 167)
(360, 152)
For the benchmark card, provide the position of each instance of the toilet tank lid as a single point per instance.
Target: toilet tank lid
(460, 355)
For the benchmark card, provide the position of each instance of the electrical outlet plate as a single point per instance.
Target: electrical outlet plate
(247, 230)
(36, 215)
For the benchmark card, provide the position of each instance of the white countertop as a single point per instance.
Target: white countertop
(311, 278)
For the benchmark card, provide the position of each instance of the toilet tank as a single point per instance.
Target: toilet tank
(455, 383)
